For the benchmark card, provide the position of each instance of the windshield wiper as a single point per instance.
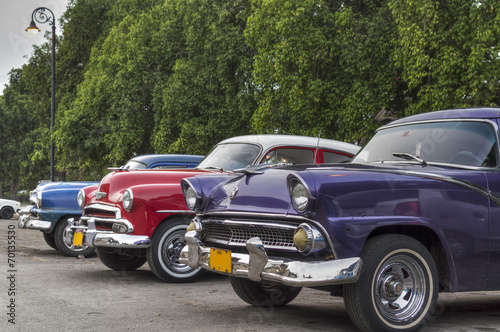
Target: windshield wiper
(409, 156)
(216, 168)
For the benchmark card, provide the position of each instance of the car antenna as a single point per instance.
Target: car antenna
(317, 146)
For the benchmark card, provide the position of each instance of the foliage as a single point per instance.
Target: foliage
(208, 95)
(450, 52)
(177, 76)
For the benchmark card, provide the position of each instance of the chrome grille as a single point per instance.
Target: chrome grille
(273, 236)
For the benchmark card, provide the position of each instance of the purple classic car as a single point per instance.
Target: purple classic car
(414, 213)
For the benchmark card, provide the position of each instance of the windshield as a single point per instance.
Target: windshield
(134, 165)
(231, 156)
(459, 142)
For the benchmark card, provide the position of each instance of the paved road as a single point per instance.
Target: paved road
(58, 293)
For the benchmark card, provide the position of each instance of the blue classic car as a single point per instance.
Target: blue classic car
(414, 213)
(53, 203)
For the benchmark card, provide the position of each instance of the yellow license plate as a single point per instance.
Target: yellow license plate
(220, 260)
(78, 239)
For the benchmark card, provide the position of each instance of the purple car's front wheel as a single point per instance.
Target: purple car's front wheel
(397, 288)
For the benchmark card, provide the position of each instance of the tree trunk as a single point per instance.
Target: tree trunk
(14, 188)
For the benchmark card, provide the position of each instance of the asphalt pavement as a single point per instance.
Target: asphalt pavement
(43, 290)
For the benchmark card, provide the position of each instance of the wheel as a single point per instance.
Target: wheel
(49, 239)
(263, 294)
(69, 250)
(163, 254)
(398, 286)
(7, 212)
(116, 261)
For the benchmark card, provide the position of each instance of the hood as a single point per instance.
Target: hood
(342, 190)
(115, 183)
(76, 185)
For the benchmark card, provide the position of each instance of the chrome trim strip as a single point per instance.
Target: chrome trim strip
(255, 214)
(175, 211)
(491, 122)
(124, 222)
(95, 238)
(257, 266)
(103, 207)
(459, 182)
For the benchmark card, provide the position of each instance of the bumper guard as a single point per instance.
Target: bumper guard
(257, 266)
(109, 239)
(29, 222)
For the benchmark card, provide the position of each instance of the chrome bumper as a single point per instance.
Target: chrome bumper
(29, 222)
(257, 266)
(109, 239)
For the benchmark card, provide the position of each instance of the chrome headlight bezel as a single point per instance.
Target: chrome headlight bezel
(314, 240)
(191, 197)
(128, 200)
(80, 198)
(300, 194)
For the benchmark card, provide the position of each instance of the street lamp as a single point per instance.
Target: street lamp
(39, 15)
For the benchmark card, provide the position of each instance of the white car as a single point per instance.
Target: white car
(8, 208)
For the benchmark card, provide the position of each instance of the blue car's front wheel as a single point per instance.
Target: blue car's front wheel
(69, 250)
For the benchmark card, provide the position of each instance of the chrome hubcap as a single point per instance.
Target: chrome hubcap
(400, 288)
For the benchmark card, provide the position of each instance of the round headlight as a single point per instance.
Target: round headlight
(80, 198)
(191, 198)
(128, 200)
(38, 199)
(300, 196)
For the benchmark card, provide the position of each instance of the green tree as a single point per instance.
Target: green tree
(112, 96)
(210, 94)
(449, 51)
(323, 66)
(18, 165)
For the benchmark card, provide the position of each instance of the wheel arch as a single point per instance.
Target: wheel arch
(430, 240)
(185, 216)
(63, 218)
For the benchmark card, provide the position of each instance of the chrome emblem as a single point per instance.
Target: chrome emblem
(233, 193)
(99, 195)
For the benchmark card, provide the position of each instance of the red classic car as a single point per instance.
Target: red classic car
(134, 217)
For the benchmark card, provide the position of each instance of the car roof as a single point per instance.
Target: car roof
(459, 113)
(270, 141)
(149, 159)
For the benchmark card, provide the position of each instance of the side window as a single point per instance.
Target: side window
(289, 156)
(333, 157)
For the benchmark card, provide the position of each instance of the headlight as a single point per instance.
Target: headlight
(38, 199)
(300, 196)
(80, 198)
(128, 200)
(191, 198)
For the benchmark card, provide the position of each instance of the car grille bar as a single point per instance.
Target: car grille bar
(237, 233)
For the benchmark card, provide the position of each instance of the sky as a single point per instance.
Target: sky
(16, 45)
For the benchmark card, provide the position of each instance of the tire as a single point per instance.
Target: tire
(49, 239)
(262, 294)
(398, 286)
(116, 261)
(163, 254)
(71, 251)
(7, 212)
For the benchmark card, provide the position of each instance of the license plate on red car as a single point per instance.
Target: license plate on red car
(220, 260)
(78, 239)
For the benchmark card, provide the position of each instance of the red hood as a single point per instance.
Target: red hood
(114, 184)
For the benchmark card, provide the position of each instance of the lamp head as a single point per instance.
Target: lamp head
(33, 29)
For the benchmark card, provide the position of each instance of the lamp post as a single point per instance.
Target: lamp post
(39, 15)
